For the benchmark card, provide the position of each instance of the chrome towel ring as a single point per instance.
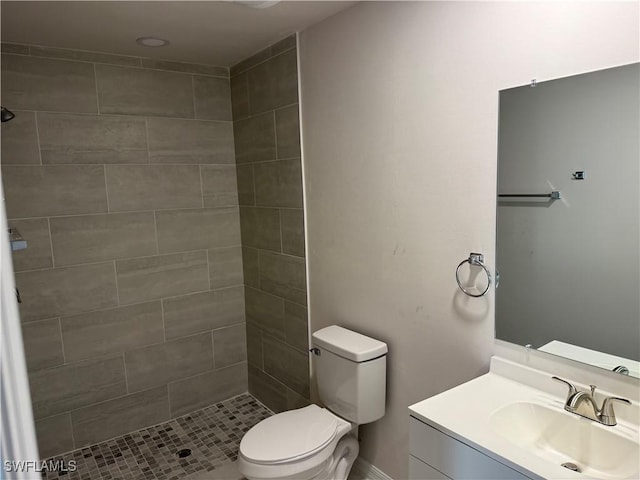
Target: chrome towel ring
(476, 259)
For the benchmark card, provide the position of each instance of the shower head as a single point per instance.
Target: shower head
(6, 115)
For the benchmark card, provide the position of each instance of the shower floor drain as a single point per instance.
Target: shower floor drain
(571, 466)
(185, 452)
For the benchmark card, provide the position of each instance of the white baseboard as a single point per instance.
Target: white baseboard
(365, 471)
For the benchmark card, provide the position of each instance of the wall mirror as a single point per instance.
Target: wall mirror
(568, 206)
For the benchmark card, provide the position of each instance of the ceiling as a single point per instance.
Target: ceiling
(209, 32)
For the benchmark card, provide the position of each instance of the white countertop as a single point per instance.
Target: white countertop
(464, 413)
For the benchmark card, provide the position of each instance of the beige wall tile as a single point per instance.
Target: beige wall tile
(66, 291)
(156, 365)
(149, 187)
(200, 312)
(254, 346)
(265, 311)
(91, 139)
(278, 184)
(286, 364)
(30, 83)
(260, 228)
(288, 132)
(278, 47)
(186, 230)
(136, 91)
(185, 67)
(42, 344)
(150, 278)
(267, 389)
(174, 140)
(38, 252)
(296, 326)
(83, 56)
(225, 267)
(94, 238)
(219, 188)
(240, 96)
(122, 415)
(54, 435)
(110, 331)
(274, 83)
(203, 390)
(255, 138)
(68, 387)
(246, 190)
(251, 267)
(36, 191)
(284, 276)
(229, 346)
(212, 98)
(295, 401)
(14, 48)
(292, 221)
(20, 140)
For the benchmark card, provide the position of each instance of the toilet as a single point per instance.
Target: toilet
(321, 443)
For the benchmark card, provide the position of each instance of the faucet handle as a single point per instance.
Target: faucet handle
(607, 415)
(572, 388)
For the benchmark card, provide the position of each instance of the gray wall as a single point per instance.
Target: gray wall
(569, 269)
(120, 174)
(264, 91)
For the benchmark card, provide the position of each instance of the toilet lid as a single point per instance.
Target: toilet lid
(289, 434)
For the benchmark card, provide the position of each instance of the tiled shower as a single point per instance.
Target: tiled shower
(162, 207)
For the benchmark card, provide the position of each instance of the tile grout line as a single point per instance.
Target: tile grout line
(73, 437)
(193, 96)
(38, 136)
(95, 84)
(208, 269)
(164, 328)
(106, 186)
(201, 185)
(53, 260)
(126, 377)
(64, 355)
(155, 228)
(115, 276)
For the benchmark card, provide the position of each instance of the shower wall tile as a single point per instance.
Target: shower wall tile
(292, 224)
(34, 191)
(68, 387)
(246, 191)
(196, 229)
(133, 91)
(54, 435)
(288, 132)
(254, 346)
(265, 311)
(111, 331)
(251, 266)
(121, 415)
(212, 98)
(20, 140)
(255, 138)
(66, 54)
(286, 364)
(66, 291)
(264, 54)
(219, 188)
(156, 365)
(37, 255)
(14, 48)
(295, 326)
(284, 276)
(274, 83)
(267, 389)
(201, 312)
(196, 392)
(91, 139)
(190, 141)
(30, 83)
(148, 187)
(42, 344)
(225, 267)
(186, 67)
(260, 228)
(279, 183)
(240, 96)
(229, 346)
(150, 278)
(95, 238)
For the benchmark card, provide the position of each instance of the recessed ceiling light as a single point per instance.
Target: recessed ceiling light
(152, 41)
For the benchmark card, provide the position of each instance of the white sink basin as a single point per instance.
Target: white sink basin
(557, 436)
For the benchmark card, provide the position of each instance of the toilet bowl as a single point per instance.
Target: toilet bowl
(321, 443)
(307, 443)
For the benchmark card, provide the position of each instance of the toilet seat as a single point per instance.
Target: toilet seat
(290, 436)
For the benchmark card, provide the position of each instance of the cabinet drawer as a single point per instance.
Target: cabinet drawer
(418, 470)
(454, 458)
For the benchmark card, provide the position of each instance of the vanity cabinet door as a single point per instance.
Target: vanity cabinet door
(454, 458)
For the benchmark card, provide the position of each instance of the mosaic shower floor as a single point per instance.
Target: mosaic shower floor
(212, 434)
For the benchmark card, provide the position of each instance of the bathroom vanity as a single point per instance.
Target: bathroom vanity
(511, 424)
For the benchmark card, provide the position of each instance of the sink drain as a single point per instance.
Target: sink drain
(571, 466)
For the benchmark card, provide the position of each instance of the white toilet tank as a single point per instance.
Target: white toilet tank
(351, 371)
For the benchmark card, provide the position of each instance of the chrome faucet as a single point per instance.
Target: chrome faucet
(584, 404)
